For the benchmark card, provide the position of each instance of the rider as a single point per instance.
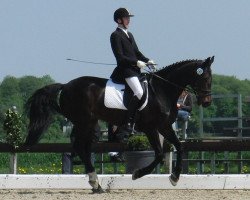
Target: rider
(129, 62)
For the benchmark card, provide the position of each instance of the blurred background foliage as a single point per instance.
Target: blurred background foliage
(15, 92)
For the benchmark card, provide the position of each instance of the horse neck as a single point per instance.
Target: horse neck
(179, 76)
(174, 80)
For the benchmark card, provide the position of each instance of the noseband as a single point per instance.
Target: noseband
(199, 92)
(202, 93)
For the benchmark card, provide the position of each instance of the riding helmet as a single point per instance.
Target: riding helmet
(120, 13)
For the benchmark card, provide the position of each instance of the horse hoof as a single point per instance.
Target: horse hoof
(135, 175)
(173, 179)
(99, 190)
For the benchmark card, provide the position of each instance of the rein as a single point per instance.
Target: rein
(167, 81)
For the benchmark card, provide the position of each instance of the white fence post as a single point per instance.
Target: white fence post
(168, 161)
(13, 163)
(168, 156)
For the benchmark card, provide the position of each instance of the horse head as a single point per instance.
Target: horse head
(203, 81)
(194, 73)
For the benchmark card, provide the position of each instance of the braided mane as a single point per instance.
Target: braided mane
(175, 65)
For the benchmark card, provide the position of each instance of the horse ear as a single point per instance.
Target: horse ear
(209, 60)
(212, 60)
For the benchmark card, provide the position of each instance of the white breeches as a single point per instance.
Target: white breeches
(135, 86)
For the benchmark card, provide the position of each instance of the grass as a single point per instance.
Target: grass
(51, 163)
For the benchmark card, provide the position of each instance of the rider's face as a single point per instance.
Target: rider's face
(125, 21)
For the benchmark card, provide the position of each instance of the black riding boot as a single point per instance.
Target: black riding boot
(127, 129)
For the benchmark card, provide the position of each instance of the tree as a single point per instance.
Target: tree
(12, 127)
(16, 91)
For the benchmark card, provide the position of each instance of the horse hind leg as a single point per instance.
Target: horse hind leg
(94, 182)
(82, 140)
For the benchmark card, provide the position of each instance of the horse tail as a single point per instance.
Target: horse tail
(40, 107)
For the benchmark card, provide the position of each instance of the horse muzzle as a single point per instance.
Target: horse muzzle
(205, 101)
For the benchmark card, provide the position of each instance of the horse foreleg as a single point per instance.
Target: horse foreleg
(173, 139)
(154, 140)
(169, 134)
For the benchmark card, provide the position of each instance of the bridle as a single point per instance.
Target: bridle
(200, 92)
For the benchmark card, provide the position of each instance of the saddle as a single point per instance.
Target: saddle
(119, 95)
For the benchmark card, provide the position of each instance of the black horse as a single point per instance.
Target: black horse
(82, 102)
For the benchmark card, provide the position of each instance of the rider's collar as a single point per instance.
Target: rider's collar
(123, 29)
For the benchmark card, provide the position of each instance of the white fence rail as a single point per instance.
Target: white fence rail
(220, 182)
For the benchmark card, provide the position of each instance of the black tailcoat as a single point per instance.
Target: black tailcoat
(127, 54)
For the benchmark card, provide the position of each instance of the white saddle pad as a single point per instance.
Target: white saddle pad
(113, 97)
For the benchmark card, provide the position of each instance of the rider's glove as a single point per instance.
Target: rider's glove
(151, 64)
(141, 64)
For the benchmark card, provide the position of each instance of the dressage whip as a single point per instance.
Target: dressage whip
(97, 63)
(89, 62)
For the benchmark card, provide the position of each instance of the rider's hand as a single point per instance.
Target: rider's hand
(141, 64)
(151, 64)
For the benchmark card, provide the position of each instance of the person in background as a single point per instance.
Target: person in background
(113, 136)
(67, 165)
(184, 107)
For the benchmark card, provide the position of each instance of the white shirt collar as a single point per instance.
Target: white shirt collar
(124, 30)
